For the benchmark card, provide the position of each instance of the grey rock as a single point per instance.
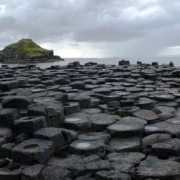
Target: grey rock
(154, 168)
(125, 144)
(8, 85)
(111, 175)
(147, 115)
(17, 102)
(145, 103)
(91, 111)
(10, 172)
(7, 117)
(36, 110)
(77, 85)
(148, 141)
(71, 107)
(170, 147)
(84, 101)
(54, 114)
(6, 149)
(100, 122)
(33, 151)
(127, 127)
(56, 135)
(172, 128)
(88, 147)
(76, 122)
(127, 111)
(29, 124)
(54, 173)
(5, 135)
(32, 172)
(95, 136)
(163, 109)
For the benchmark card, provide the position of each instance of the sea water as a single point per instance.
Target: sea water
(107, 61)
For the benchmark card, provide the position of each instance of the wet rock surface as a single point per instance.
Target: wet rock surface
(92, 121)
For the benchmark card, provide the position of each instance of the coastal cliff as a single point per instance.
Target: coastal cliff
(26, 50)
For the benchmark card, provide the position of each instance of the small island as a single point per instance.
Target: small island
(26, 50)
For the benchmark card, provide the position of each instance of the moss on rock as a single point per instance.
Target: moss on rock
(24, 49)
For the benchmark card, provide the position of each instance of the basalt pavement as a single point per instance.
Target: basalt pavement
(90, 122)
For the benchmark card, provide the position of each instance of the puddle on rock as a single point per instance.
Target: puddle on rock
(121, 127)
(37, 90)
(42, 100)
(151, 128)
(176, 121)
(145, 168)
(72, 119)
(82, 145)
(31, 146)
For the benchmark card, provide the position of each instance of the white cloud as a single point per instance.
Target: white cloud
(171, 51)
(2, 9)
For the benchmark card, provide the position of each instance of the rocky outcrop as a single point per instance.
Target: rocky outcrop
(26, 50)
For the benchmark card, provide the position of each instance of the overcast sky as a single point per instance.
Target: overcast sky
(94, 28)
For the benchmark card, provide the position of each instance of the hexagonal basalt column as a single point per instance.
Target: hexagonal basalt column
(54, 115)
(88, 147)
(127, 127)
(7, 117)
(77, 123)
(100, 122)
(147, 115)
(56, 135)
(5, 135)
(95, 136)
(11, 171)
(71, 107)
(125, 144)
(154, 168)
(33, 151)
(17, 102)
(29, 124)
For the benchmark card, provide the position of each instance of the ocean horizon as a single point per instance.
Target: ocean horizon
(107, 61)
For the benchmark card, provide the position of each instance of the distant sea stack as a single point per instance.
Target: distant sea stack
(26, 50)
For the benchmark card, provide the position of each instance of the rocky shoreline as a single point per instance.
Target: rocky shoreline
(32, 60)
(92, 121)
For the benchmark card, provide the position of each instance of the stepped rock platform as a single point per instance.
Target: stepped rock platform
(90, 122)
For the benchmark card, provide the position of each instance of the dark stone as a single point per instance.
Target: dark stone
(32, 172)
(56, 135)
(125, 144)
(18, 102)
(84, 101)
(7, 117)
(154, 168)
(8, 85)
(112, 175)
(88, 147)
(33, 151)
(29, 124)
(124, 62)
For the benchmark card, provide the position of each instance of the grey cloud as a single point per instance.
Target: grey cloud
(74, 44)
(94, 21)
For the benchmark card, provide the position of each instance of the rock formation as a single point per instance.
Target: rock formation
(90, 122)
(26, 50)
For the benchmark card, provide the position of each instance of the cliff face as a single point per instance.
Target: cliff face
(26, 50)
